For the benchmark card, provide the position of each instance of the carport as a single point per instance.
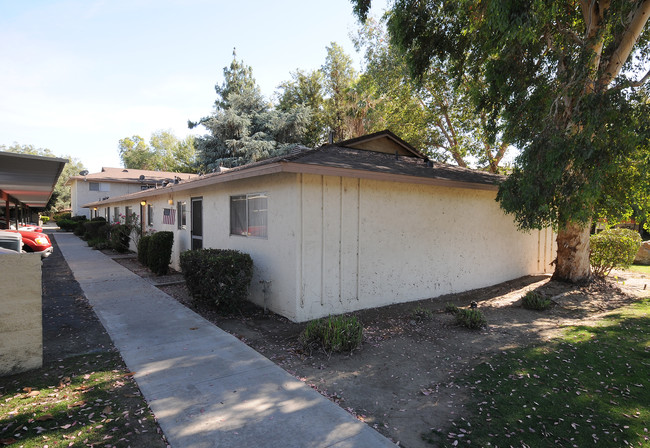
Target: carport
(26, 183)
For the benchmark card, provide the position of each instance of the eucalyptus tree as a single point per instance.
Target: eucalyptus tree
(561, 80)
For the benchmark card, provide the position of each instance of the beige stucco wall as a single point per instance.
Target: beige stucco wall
(21, 330)
(340, 244)
(80, 194)
(369, 243)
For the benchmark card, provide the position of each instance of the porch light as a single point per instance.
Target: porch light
(143, 203)
(170, 201)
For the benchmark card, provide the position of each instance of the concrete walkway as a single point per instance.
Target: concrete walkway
(205, 387)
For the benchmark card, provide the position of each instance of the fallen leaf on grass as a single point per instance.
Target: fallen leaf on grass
(45, 417)
(77, 404)
(8, 441)
(33, 393)
(129, 374)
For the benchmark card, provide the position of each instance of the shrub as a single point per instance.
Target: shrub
(120, 237)
(470, 318)
(67, 225)
(613, 248)
(159, 251)
(95, 229)
(332, 334)
(451, 308)
(217, 277)
(535, 301)
(143, 248)
(59, 216)
(45, 219)
(79, 228)
(420, 313)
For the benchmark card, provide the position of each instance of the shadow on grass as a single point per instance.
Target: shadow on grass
(589, 387)
(84, 400)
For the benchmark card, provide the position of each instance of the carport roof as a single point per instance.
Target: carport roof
(28, 179)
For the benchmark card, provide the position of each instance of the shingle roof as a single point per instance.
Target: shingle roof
(337, 160)
(129, 175)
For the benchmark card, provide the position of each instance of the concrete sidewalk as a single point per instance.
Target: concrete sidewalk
(205, 387)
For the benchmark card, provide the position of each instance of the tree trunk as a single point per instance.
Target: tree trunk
(573, 254)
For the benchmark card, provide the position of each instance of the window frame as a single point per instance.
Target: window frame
(249, 197)
(150, 215)
(181, 211)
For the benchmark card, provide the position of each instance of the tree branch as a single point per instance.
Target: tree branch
(628, 40)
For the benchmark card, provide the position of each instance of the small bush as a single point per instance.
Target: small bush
(451, 308)
(613, 248)
(333, 334)
(79, 229)
(45, 219)
(535, 301)
(420, 313)
(470, 318)
(79, 218)
(143, 249)
(59, 216)
(217, 277)
(120, 237)
(159, 251)
(99, 243)
(67, 225)
(95, 229)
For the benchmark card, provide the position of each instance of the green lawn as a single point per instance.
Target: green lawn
(87, 400)
(590, 387)
(640, 268)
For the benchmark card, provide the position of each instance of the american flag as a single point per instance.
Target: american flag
(168, 215)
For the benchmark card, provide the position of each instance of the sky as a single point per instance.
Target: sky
(76, 76)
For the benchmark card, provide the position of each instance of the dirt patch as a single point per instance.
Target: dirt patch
(403, 380)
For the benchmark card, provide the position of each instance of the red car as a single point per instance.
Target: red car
(36, 242)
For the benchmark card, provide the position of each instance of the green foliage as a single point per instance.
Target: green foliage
(613, 248)
(143, 249)
(95, 229)
(470, 318)
(159, 251)
(533, 300)
(120, 237)
(45, 219)
(332, 334)
(434, 115)
(67, 225)
(244, 128)
(420, 313)
(164, 152)
(563, 82)
(59, 216)
(217, 277)
(451, 308)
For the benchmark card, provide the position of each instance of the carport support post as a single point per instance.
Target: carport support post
(7, 215)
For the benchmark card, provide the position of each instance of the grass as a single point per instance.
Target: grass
(89, 400)
(589, 387)
(642, 269)
(332, 334)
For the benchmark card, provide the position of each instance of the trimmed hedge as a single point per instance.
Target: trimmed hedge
(95, 229)
(67, 225)
(159, 252)
(217, 277)
(143, 249)
(120, 237)
(613, 248)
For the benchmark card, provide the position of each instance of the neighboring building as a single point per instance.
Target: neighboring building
(359, 224)
(112, 182)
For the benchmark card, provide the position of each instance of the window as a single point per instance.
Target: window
(107, 214)
(181, 210)
(97, 186)
(248, 215)
(128, 213)
(149, 214)
(116, 214)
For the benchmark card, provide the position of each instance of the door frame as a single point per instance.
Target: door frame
(193, 237)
